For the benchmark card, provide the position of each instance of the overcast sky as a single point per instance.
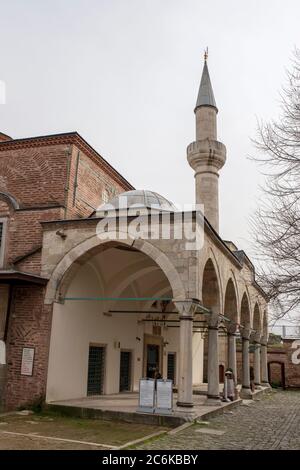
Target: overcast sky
(125, 75)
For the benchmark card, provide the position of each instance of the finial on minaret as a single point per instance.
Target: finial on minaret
(206, 54)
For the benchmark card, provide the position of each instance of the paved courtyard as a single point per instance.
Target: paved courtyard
(273, 422)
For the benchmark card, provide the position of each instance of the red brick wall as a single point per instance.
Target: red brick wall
(29, 326)
(35, 176)
(39, 176)
(87, 181)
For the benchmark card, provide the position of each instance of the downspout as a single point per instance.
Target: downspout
(76, 178)
(67, 187)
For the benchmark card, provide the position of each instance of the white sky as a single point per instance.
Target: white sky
(125, 75)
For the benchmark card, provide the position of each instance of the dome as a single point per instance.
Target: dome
(139, 199)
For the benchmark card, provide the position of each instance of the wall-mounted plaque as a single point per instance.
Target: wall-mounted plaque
(27, 361)
(164, 396)
(146, 395)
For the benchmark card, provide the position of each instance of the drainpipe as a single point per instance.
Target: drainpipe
(67, 187)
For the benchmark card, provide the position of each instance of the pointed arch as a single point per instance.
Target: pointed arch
(211, 295)
(245, 316)
(256, 324)
(230, 302)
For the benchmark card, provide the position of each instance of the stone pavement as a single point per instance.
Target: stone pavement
(272, 422)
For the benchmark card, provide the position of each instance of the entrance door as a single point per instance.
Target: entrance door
(125, 371)
(153, 360)
(221, 374)
(96, 370)
(171, 366)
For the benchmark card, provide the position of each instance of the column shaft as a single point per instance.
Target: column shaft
(213, 391)
(246, 390)
(257, 364)
(232, 353)
(264, 365)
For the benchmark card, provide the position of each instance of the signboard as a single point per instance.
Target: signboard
(164, 396)
(27, 361)
(146, 395)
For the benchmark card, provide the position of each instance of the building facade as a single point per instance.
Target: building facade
(92, 305)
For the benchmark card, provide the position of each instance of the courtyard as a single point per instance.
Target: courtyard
(269, 422)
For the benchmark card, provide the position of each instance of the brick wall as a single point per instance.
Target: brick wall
(48, 179)
(87, 184)
(29, 326)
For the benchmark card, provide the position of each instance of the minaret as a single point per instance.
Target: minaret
(206, 155)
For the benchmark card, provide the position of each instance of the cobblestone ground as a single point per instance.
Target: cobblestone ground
(273, 422)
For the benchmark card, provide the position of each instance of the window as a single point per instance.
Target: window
(171, 367)
(96, 368)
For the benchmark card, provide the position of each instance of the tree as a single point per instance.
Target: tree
(277, 222)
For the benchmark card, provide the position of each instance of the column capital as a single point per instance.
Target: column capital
(213, 321)
(186, 308)
(255, 337)
(231, 328)
(245, 332)
(264, 341)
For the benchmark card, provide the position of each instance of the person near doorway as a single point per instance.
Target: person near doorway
(229, 386)
(252, 384)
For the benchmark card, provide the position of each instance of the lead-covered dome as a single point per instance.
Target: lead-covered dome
(138, 199)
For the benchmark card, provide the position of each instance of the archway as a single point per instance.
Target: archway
(276, 373)
(210, 288)
(265, 325)
(256, 319)
(228, 343)
(211, 299)
(243, 370)
(230, 304)
(114, 322)
(245, 312)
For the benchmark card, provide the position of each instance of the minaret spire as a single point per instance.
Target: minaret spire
(206, 155)
(205, 94)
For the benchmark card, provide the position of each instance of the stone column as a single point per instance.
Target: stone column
(256, 340)
(186, 310)
(213, 392)
(264, 362)
(231, 335)
(246, 389)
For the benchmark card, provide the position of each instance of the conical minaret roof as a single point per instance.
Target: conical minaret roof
(205, 94)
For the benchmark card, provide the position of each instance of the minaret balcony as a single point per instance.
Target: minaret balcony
(207, 153)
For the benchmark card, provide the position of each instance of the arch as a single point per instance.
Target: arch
(230, 302)
(265, 323)
(10, 199)
(245, 316)
(211, 296)
(71, 262)
(282, 374)
(256, 324)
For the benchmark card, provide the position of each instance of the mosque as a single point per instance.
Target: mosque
(88, 305)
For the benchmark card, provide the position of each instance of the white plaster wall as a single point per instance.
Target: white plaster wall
(198, 348)
(76, 325)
